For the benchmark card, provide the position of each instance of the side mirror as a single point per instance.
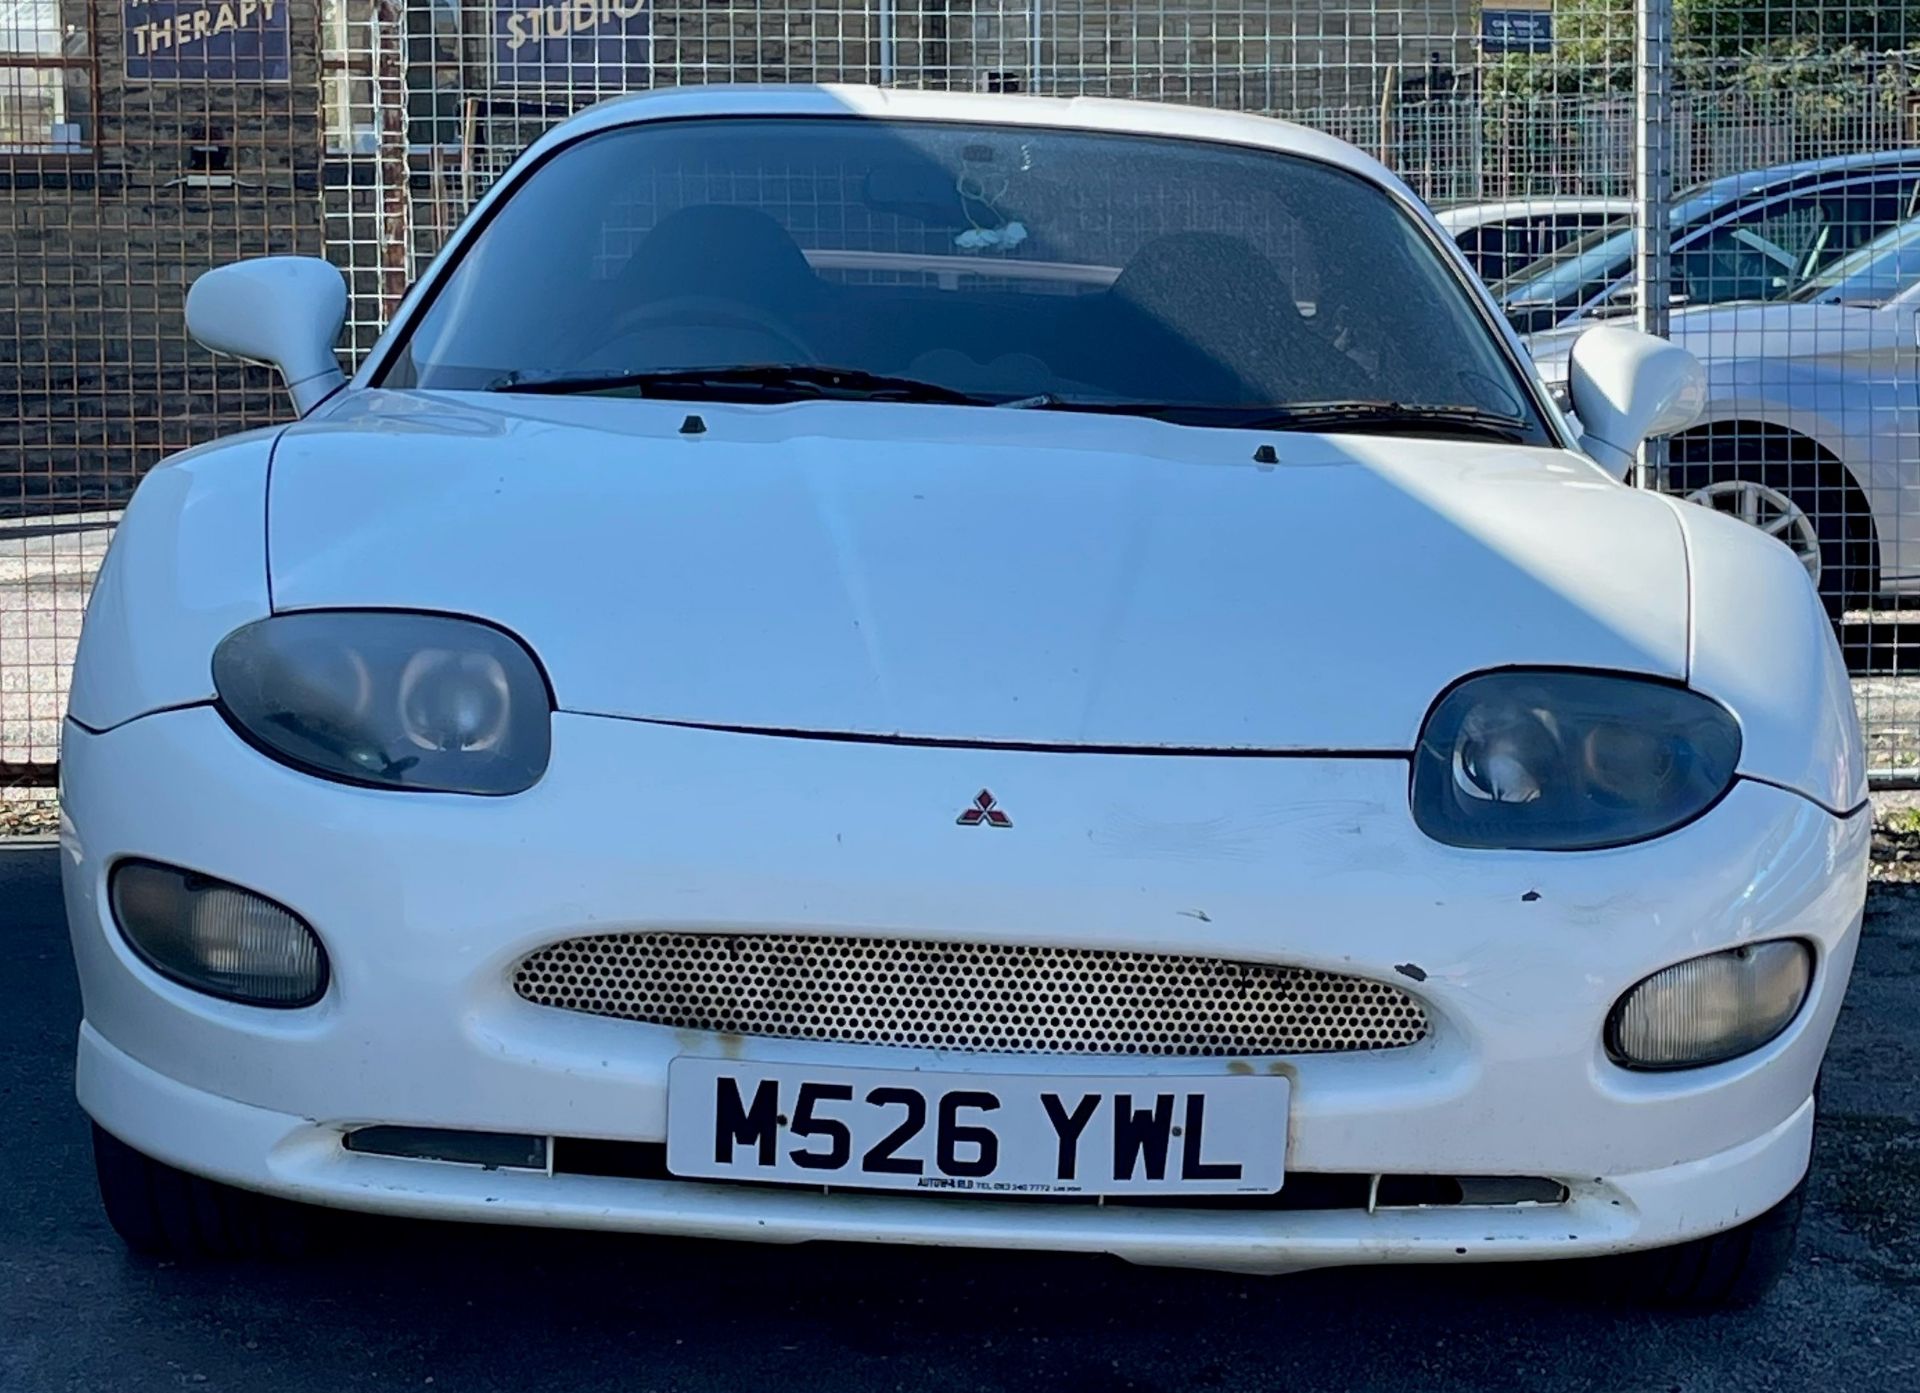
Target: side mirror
(285, 311)
(1627, 387)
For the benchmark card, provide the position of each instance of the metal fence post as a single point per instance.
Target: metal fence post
(1653, 186)
(395, 170)
(1034, 41)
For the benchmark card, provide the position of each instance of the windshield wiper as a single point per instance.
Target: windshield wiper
(1394, 417)
(744, 382)
(804, 381)
(1380, 417)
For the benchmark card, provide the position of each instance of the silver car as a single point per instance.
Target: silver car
(1812, 427)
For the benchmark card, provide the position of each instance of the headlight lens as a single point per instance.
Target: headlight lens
(1710, 1009)
(217, 938)
(1569, 761)
(414, 701)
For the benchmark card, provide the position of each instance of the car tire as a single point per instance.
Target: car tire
(162, 1212)
(1711, 467)
(1723, 1271)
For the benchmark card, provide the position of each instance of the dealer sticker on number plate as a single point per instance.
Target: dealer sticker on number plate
(1093, 1134)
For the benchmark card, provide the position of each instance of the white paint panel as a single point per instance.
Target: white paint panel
(1764, 647)
(956, 572)
(187, 567)
(1312, 862)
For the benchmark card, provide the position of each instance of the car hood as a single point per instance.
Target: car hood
(962, 574)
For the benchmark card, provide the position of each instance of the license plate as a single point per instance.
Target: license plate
(992, 1133)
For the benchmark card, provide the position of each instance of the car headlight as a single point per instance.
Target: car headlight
(389, 699)
(1569, 761)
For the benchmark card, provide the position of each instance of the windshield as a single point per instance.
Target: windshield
(1582, 269)
(976, 263)
(1872, 275)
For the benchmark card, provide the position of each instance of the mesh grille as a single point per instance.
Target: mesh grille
(965, 996)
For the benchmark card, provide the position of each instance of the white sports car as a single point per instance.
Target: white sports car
(956, 670)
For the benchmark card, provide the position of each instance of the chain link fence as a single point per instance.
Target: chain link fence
(143, 141)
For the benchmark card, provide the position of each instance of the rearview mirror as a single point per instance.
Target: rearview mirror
(1627, 387)
(285, 311)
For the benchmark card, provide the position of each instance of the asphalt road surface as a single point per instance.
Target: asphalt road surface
(413, 1306)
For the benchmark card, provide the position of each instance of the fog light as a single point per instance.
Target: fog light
(217, 938)
(1713, 1008)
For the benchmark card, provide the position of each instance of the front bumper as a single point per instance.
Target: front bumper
(425, 903)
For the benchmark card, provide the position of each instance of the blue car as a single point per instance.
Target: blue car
(1751, 236)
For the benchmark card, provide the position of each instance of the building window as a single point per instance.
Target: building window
(442, 37)
(444, 55)
(47, 77)
(346, 75)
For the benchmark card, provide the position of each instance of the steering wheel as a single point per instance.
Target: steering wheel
(708, 311)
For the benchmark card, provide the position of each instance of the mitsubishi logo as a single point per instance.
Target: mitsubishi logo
(984, 810)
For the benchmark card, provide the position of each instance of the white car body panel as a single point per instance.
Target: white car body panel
(1765, 649)
(887, 607)
(1610, 1215)
(187, 566)
(426, 901)
(1020, 577)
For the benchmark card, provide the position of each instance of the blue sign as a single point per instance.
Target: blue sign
(1516, 31)
(195, 40)
(604, 45)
